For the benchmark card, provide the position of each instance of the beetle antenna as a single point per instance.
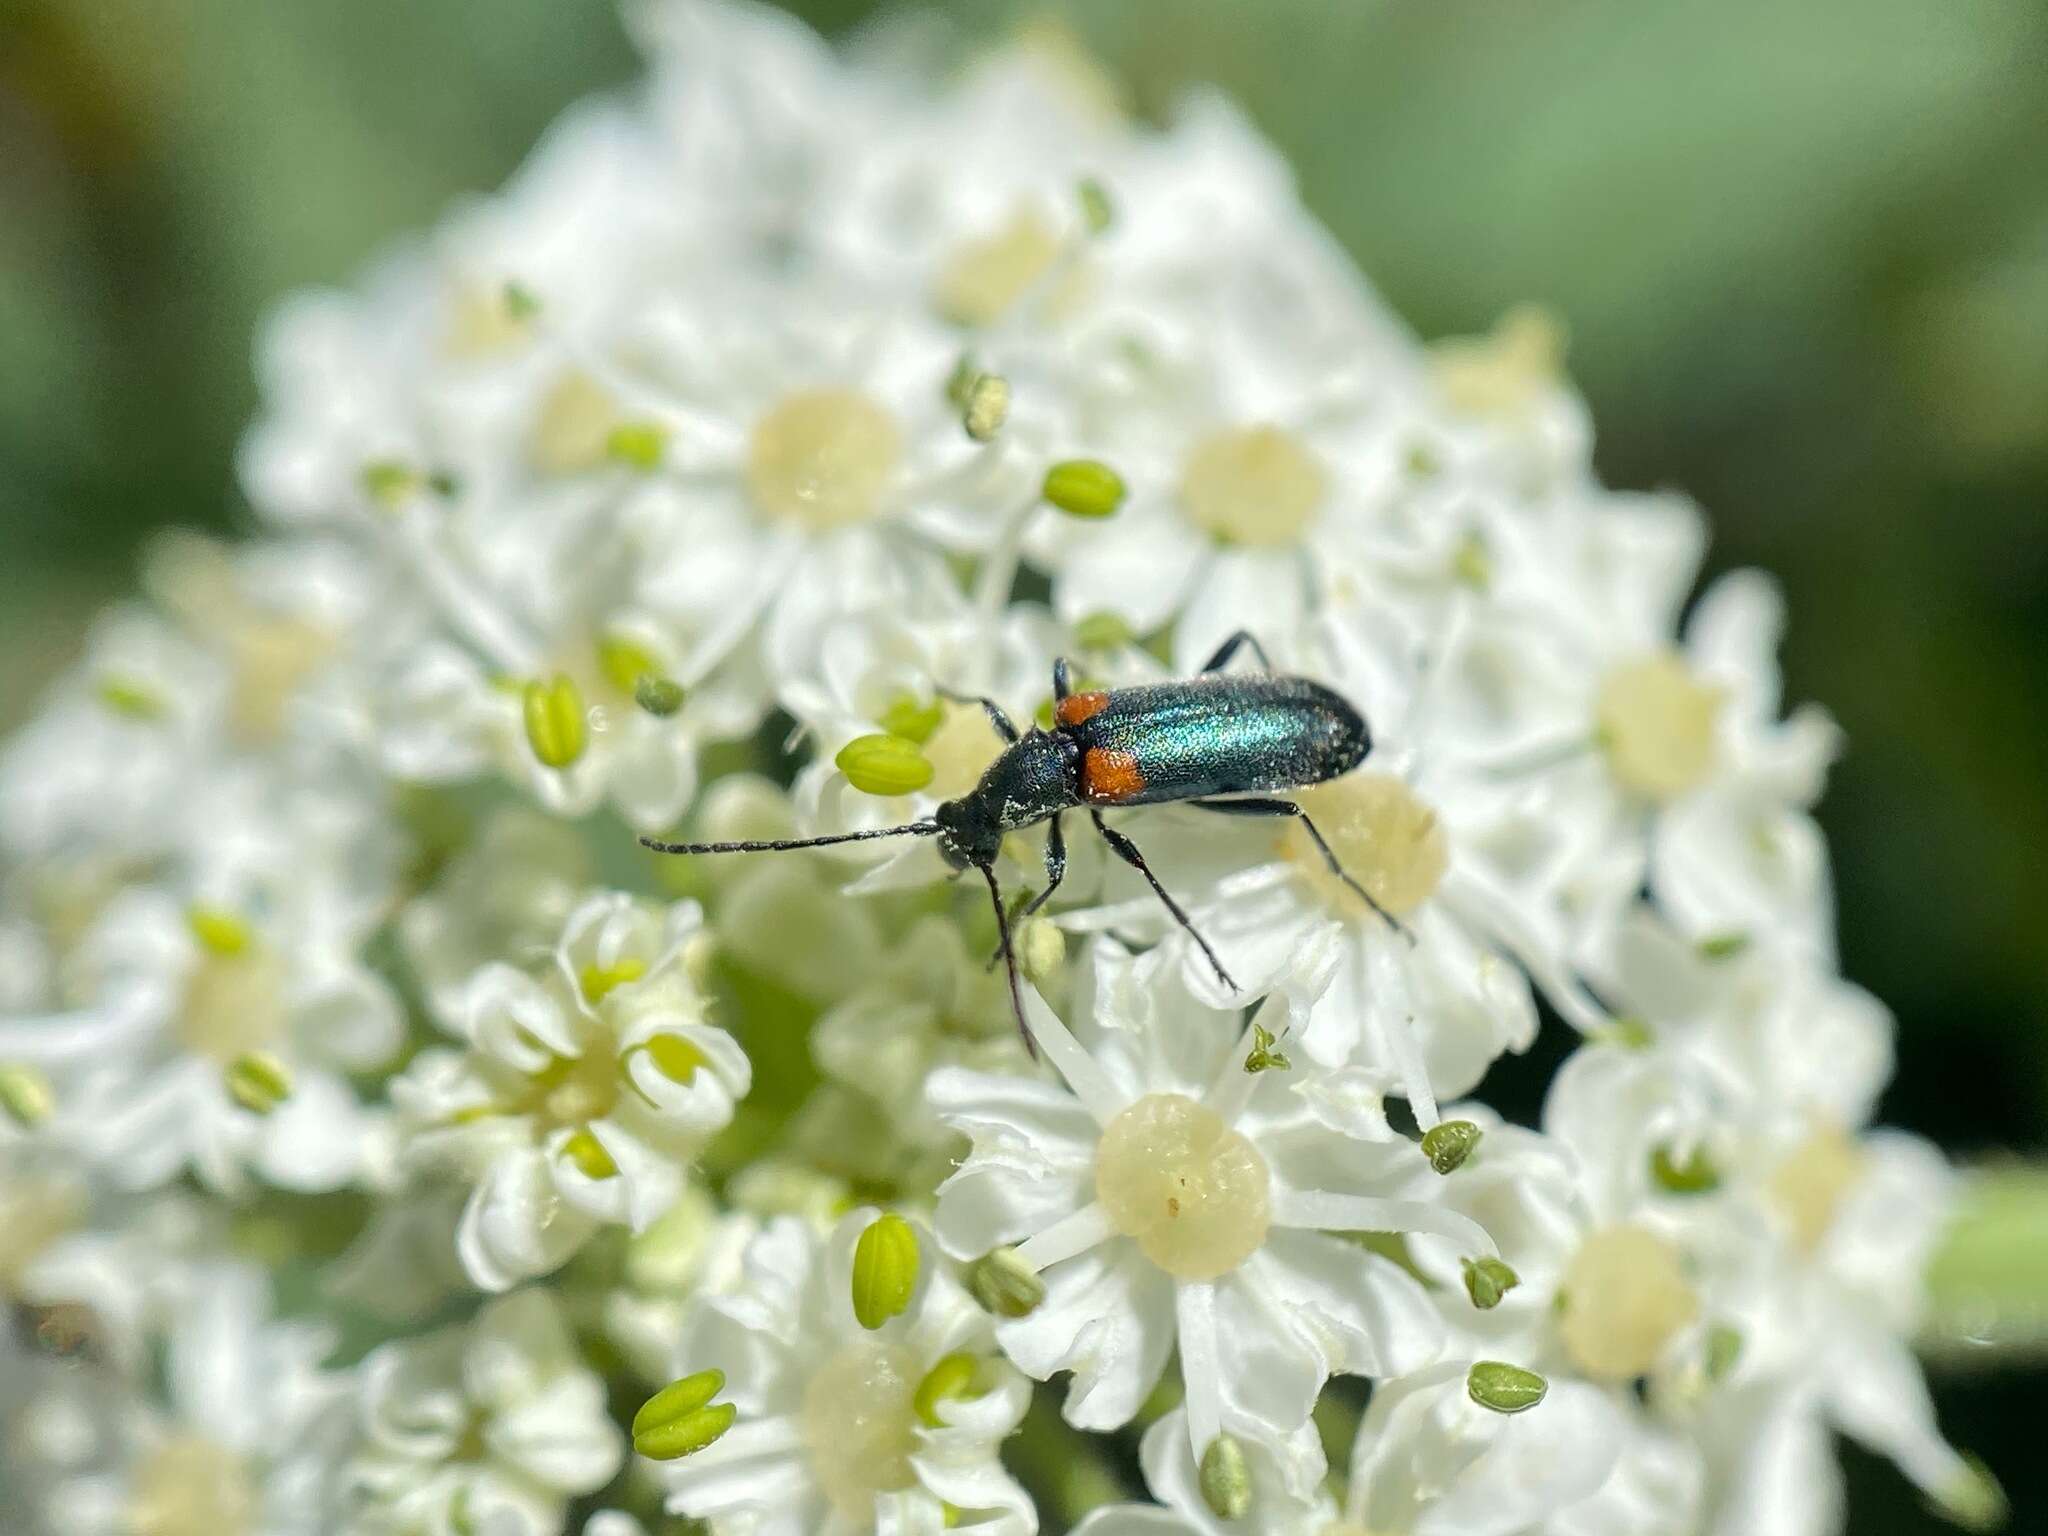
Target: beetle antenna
(995, 895)
(925, 828)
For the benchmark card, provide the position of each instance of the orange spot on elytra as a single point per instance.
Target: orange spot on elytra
(1110, 775)
(1076, 707)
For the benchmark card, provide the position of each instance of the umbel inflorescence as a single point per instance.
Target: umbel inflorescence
(392, 1145)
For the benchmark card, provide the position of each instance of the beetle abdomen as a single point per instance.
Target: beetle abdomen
(1211, 735)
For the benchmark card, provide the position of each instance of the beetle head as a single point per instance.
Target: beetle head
(968, 834)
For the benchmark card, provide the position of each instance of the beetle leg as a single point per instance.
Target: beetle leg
(1232, 646)
(1127, 850)
(1062, 679)
(996, 717)
(1055, 872)
(1289, 808)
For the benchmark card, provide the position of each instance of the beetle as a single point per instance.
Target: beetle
(1224, 742)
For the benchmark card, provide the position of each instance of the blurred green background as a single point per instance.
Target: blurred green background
(1802, 251)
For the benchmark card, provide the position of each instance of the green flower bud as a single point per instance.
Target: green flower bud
(952, 1378)
(1487, 1281)
(1697, 1175)
(885, 1266)
(1084, 488)
(258, 1082)
(25, 1096)
(636, 444)
(681, 1418)
(1226, 1479)
(1504, 1388)
(555, 727)
(1449, 1143)
(1003, 1285)
(987, 407)
(884, 765)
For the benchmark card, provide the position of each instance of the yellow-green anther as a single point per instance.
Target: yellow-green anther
(600, 981)
(588, 1154)
(258, 1082)
(1097, 211)
(1724, 1348)
(1973, 1499)
(25, 1096)
(954, 1377)
(555, 727)
(1262, 1057)
(885, 1265)
(219, 931)
(1472, 563)
(912, 720)
(1084, 488)
(388, 482)
(638, 444)
(130, 699)
(682, 1418)
(658, 696)
(960, 382)
(1696, 1175)
(624, 661)
(1041, 949)
(675, 1058)
(1226, 1479)
(881, 764)
(1628, 1033)
(521, 302)
(1504, 1388)
(445, 483)
(1103, 632)
(1487, 1280)
(987, 408)
(1723, 946)
(1448, 1143)
(1003, 1284)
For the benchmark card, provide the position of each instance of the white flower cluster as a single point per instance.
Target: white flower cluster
(777, 413)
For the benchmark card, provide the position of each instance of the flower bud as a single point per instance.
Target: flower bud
(1003, 1285)
(885, 1266)
(1084, 488)
(1226, 1479)
(1448, 1143)
(884, 765)
(1504, 1388)
(681, 1418)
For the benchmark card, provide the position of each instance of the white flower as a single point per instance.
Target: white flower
(493, 1426)
(1167, 1194)
(843, 1429)
(584, 1094)
(250, 1436)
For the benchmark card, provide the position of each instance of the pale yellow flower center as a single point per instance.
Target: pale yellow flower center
(1624, 1295)
(823, 458)
(1191, 1190)
(233, 1005)
(1252, 485)
(1656, 721)
(188, 1486)
(960, 750)
(1387, 838)
(34, 1212)
(481, 322)
(573, 426)
(1809, 1185)
(859, 1423)
(273, 656)
(979, 281)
